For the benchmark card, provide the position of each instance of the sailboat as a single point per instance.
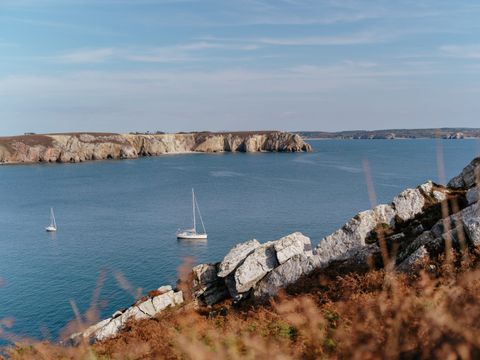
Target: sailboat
(53, 224)
(192, 233)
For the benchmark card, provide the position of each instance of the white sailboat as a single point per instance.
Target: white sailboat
(53, 224)
(192, 233)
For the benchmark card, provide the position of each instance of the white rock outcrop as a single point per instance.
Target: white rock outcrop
(353, 234)
(143, 310)
(408, 204)
(291, 245)
(236, 255)
(255, 266)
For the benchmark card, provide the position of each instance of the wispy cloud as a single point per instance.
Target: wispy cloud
(353, 39)
(471, 51)
(165, 54)
(87, 56)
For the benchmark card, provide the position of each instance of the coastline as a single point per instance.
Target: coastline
(80, 147)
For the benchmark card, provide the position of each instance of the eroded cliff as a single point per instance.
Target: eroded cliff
(78, 147)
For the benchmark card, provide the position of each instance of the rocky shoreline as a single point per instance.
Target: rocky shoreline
(420, 226)
(79, 147)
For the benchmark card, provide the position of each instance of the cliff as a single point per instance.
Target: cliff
(78, 147)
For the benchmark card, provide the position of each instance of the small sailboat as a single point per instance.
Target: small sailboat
(53, 224)
(192, 233)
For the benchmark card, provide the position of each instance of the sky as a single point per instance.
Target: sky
(181, 65)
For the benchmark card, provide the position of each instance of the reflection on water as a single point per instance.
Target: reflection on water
(193, 242)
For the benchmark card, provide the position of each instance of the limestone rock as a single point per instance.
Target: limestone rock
(236, 255)
(285, 274)
(255, 267)
(165, 288)
(143, 310)
(408, 204)
(109, 330)
(292, 245)
(147, 308)
(207, 287)
(473, 195)
(77, 147)
(354, 233)
(469, 176)
(471, 221)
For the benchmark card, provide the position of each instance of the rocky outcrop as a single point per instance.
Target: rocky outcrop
(207, 287)
(144, 308)
(78, 147)
(469, 177)
(406, 233)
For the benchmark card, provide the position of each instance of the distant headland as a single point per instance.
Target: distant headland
(79, 147)
(442, 133)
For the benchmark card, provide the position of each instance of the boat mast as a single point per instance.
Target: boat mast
(52, 220)
(193, 208)
(200, 214)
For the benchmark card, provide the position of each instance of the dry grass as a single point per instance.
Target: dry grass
(379, 314)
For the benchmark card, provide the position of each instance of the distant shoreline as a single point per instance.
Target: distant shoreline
(393, 134)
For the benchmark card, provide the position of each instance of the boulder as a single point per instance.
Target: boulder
(353, 234)
(207, 287)
(473, 195)
(143, 310)
(292, 245)
(408, 204)
(471, 222)
(109, 330)
(285, 274)
(147, 308)
(255, 266)
(236, 255)
(164, 288)
(469, 176)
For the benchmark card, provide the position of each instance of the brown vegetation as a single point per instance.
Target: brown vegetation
(435, 314)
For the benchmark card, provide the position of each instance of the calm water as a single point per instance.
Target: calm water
(121, 216)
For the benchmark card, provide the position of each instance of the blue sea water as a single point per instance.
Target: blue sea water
(120, 217)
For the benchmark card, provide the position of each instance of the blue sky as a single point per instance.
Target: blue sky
(176, 65)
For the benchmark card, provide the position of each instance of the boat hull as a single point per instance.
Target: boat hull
(50, 229)
(192, 236)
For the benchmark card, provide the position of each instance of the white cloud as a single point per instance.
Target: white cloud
(353, 39)
(163, 54)
(87, 56)
(471, 51)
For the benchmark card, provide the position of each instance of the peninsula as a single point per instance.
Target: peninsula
(79, 147)
(442, 133)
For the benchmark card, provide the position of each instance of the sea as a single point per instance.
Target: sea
(117, 219)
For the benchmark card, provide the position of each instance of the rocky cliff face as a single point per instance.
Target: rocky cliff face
(94, 146)
(407, 235)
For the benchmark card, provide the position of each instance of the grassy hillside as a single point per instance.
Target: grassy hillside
(433, 314)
